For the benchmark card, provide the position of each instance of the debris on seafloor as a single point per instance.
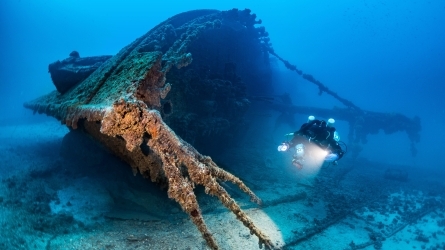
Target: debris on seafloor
(124, 105)
(153, 108)
(396, 174)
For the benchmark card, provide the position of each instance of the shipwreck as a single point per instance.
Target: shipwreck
(190, 78)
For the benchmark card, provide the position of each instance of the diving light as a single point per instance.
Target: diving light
(310, 118)
(331, 157)
(336, 136)
(283, 147)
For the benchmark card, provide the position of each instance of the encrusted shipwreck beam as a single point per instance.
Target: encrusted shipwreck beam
(132, 120)
(119, 104)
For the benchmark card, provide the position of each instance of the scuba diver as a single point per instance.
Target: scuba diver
(313, 136)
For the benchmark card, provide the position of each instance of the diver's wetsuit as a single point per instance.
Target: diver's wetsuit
(319, 133)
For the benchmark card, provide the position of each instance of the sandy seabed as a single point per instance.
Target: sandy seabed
(66, 192)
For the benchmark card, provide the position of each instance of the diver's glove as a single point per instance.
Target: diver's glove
(283, 147)
(331, 157)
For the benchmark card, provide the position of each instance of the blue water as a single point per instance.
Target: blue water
(385, 56)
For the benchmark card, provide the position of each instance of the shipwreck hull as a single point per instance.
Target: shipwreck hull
(123, 104)
(186, 85)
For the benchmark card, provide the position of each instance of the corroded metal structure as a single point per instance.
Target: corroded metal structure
(149, 104)
(361, 122)
(122, 104)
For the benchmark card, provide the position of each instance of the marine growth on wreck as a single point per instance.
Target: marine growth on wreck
(191, 78)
